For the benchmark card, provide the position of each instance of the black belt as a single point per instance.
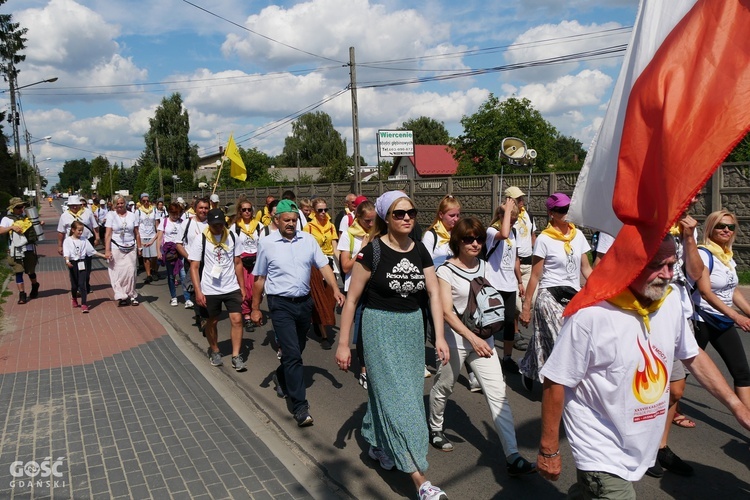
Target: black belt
(526, 261)
(294, 300)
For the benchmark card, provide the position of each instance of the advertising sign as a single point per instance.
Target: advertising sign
(395, 143)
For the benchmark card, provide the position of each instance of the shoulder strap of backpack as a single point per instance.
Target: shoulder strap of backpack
(185, 234)
(434, 234)
(710, 259)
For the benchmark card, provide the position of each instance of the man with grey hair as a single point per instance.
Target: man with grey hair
(285, 259)
(607, 377)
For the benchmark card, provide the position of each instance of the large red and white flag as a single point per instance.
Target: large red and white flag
(680, 105)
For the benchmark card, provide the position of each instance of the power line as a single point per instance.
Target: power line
(260, 34)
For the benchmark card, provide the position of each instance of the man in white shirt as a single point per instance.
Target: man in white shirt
(216, 270)
(607, 378)
(194, 227)
(100, 214)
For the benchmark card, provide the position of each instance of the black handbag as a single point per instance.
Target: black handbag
(248, 263)
(562, 294)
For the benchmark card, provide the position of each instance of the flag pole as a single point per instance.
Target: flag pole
(218, 174)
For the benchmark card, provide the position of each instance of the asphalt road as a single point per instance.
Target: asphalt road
(718, 448)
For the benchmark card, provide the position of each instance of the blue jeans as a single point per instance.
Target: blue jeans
(291, 321)
(170, 280)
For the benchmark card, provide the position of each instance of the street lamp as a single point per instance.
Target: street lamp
(37, 182)
(175, 180)
(14, 119)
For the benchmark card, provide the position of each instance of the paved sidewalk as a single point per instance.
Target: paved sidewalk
(105, 405)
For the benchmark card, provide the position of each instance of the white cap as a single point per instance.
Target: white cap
(180, 200)
(215, 198)
(102, 202)
(73, 199)
(131, 202)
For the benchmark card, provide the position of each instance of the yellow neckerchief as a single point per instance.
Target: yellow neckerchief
(78, 214)
(191, 211)
(675, 230)
(724, 256)
(222, 241)
(356, 231)
(627, 301)
(326, 233)
(555, 234)
(146, 211)
(248, 229)
(444, 236)
(521, 222)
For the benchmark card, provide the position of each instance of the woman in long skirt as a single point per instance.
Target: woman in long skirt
(121, 242)
(399, 275)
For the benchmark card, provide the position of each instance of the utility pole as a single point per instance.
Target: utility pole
(355, 117)
(14, 122)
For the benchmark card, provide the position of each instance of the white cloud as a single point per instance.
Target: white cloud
(549, 41)
(329, 27)
(569, 92)
(76, 44)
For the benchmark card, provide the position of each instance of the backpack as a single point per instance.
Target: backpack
(485, 311)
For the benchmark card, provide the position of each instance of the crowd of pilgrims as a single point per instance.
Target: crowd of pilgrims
(536, 269)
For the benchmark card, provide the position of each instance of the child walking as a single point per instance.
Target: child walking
(75, 250)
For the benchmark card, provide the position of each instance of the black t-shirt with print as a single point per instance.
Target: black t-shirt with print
(398, 283)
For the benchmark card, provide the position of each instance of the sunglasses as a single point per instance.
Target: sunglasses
(321, 210)
(246, 209)
(561, 210)
(401, 214)
(369, 221)
(468, 240)
(720, 227)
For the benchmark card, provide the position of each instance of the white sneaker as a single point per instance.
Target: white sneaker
(429, 492)
(427, 373)
(173, 302)
(474, 385)
(189, 304)
(378, 454)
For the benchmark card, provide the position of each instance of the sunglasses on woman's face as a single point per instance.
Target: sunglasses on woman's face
(468, 240)
(246, 209)
(401, 214)
(561, 210)
(722, 226)
(321, 210)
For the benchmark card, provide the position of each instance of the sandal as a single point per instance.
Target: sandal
(681, 420)
(439, 441)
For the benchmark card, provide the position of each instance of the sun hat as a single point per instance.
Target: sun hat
(557, 200)
(14, 202)
(514, 192)
(215, 198)
(385, 200)
(74, 200)
(102, 202)
(143, 195)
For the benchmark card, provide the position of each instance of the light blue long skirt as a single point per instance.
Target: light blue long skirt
(394, 356)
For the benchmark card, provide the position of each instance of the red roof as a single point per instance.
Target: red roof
(432, 161)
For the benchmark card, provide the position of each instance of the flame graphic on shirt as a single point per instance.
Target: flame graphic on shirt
(649, 384)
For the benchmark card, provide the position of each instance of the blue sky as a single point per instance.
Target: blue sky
(266, 61)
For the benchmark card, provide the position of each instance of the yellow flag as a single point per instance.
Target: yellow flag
(238, 170)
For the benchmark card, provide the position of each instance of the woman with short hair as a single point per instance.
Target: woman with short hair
(168, 235)
(248, 230)
(455, 277)
(121, 242)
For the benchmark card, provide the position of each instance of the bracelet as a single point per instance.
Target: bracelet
(549, 455)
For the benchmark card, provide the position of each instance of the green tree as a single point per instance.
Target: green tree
(75, 175)
(170, 127)
(257, 164)
(741, 152)
(477, 149)
(316, 143)
(427, 131)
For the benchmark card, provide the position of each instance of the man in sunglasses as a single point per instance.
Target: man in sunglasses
(282, 268)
